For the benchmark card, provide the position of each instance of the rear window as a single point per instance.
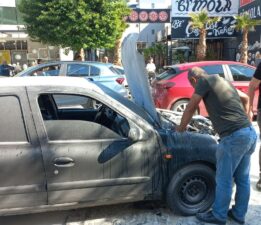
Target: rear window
(107, 71)
(169, 73)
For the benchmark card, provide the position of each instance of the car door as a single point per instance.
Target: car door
(89, 162)
(23, 182)
(241, 76)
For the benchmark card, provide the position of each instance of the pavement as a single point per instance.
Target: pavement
(135, 214)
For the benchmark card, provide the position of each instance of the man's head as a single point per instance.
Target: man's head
(39, 61)
(194, 74)
(4, 62)
(105, 59)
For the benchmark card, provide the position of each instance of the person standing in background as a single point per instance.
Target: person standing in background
(77, 57)
(257, 59)
(5, 69)
(255, 84)
(151, 69)
(39, 61)
(105, 59)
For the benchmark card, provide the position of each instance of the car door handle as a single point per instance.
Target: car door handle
(64, 162)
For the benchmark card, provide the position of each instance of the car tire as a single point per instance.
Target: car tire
(191, 190)
(181, 105)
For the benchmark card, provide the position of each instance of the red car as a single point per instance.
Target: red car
(172, 90)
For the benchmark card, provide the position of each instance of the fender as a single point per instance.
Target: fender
(188, 147)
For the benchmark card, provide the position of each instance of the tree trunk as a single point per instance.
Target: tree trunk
(82, 54)
(117, 52)
(244, 47)
(202, 46)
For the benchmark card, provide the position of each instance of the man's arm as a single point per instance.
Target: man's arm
(253, 85)
(244, 99)
(189, 111)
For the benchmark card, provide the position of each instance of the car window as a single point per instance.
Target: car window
(118, 70)
(169, 73)
(12, 119)
(241, 73)
(94, 71)
(78, 70)
(77, 117)
(51, 70)
(107, 71)
(214, 69)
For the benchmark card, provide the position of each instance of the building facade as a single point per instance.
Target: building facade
(15, 44)
(253, 7)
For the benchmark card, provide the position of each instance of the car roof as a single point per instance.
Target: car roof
(47, 81)
(185, 66)
(74, 82)
(94, 63)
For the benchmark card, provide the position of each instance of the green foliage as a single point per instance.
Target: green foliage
(199, 20)
(245, 23)
(157, 49)
(75, 23)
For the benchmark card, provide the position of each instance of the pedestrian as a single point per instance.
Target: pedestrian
(151, 69)
(17, 68)
(227, 109)
(39, 61)
(77, 57)
(25, 66)
(255, 84)
(257, 58)
(105, 59)
(5, 69)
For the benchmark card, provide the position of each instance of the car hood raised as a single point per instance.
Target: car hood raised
(134, 67)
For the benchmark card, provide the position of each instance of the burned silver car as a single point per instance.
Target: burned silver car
(59, 154)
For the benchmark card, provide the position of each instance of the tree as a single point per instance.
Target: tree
(245, 24)
(75, 23)
(122, 12)
(199, 21)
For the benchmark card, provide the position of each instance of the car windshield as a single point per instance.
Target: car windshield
(127, 103)
(168, 73)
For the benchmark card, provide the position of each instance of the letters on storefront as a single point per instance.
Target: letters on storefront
(181, 28)
(181, 8)
(253, 8)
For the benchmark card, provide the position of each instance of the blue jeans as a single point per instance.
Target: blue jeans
(233, 161)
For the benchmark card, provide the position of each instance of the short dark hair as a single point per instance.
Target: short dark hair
(39, 61)
(196, 72)
(77, 56)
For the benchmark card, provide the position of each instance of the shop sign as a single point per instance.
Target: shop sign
(253, 9)
(181, 28)
(149, 16)
(182, 8)
(245, 2)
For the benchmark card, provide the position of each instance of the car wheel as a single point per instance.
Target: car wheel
(180, 106)
(191, 190)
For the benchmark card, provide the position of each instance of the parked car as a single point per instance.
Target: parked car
(55, 157)
(172, 90)
(95, 71)
(120, 71)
